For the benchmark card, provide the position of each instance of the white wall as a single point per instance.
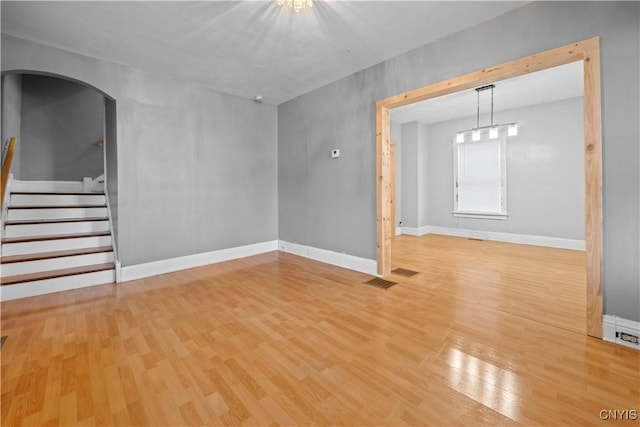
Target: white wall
(545, 172)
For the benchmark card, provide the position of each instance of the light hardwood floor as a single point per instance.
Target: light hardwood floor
(278, 339)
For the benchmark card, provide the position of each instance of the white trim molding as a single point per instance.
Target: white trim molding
(613, 328)
(415, 231)
(140, 271)
(522, 239)
(351, 262)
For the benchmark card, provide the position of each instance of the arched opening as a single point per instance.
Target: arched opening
(66, 131)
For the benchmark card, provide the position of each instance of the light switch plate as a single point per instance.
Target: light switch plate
(335, 153)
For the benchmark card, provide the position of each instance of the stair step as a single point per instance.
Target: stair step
(54, 237)
(52, 221)
(52, 274)
(54, 254)
(40, 228)
(56, 199)
(56, 207)
(55, 212)
(60, 193)
(64, 283)
(58, 263)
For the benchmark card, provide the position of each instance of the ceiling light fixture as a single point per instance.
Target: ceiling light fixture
(296, 5)
(512, 128)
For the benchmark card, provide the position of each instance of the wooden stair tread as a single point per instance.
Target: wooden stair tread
(57, 193)
(57, 207)
(54, 254)
(54, 237)
(54, 221)
(53, 274)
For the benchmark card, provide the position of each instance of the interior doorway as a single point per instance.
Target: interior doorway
(585, 51)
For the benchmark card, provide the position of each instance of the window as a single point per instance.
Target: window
(480, 178)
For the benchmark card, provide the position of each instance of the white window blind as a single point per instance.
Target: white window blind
(480, 178)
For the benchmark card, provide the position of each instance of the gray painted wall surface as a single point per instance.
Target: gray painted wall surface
(111, 163)
(314, 197)
(545, 172)
(413, 169)
(424, 192)
(197, 169)
(409, 173)
(60, 120)
(11, 107)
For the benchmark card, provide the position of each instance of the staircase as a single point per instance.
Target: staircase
(54, 242)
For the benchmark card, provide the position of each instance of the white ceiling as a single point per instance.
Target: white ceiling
(553, 84)
(245, 48)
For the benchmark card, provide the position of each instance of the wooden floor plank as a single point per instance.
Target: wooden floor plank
(487, 334)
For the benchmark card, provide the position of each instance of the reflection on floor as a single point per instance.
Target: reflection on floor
(546, 285)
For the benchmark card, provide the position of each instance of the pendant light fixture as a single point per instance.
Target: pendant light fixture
(494, 129)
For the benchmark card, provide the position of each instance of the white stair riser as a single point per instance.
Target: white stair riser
(54, 245)
(40, 287)
(27, 267)
(59, 213)
(56, 199)
(25, 230)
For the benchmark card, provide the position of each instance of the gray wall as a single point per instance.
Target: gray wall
(11, 107)
(111, 163)
(414, 172)
(197, 169)
(409, 173)
(60, 120)
(545, 172)
(317, 197)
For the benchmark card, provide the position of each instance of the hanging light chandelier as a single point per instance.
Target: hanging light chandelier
(512, 128)
(296, 5)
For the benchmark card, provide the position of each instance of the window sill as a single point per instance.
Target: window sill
(480, 215)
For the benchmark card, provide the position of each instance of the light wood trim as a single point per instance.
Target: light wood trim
(393, 187)
(587, 51)
(6, 167)
(593, 190)
(383, 171)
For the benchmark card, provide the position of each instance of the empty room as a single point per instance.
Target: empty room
(308, 212)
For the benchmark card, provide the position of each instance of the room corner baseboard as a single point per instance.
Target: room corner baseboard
(415, 231)
(522, 239)
(614, 329)
(351, 262)
(140, 271)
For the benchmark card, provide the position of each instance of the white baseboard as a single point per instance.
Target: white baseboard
(523, 239)
(613, 327)
(351, 262)
(415, 231)
(398, 231)
(140, 271)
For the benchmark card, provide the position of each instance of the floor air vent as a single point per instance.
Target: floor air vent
(404, 272)
(380, 283)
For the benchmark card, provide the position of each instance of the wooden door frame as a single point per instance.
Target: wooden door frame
(587, 51)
